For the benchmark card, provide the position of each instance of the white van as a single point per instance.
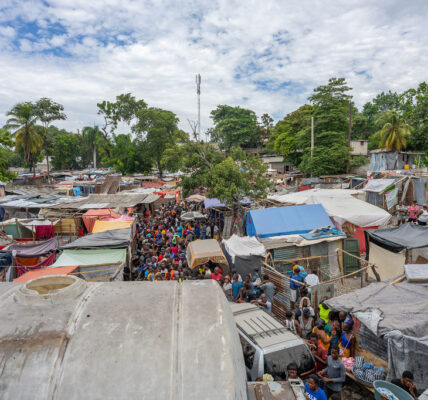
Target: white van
(268, 345)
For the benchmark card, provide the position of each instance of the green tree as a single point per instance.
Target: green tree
(286, 132)
(394, 131)
(233, 127)
(331, 108)
(91, 136)
(129, 156)
(27, 134)
(228, 177)
(48, 111)
(66, 149)
(124, 109)
(6, 155)
(415, 113)
(158, 128)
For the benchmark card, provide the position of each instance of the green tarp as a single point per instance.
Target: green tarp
(69, 258)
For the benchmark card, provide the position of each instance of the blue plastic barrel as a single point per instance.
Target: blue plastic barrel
(397, 391)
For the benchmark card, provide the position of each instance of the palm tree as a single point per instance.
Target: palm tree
(26, 133)
(90, 136)
(394, 131)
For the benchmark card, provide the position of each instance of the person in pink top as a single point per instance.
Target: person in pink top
(413, 212)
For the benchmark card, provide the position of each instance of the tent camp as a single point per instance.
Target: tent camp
(92, 215)
(290, 220)
(203, 251)
(98, 264)
(391, 325)
(389, 249)
(102, 226)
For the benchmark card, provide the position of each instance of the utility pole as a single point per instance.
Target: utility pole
(312, 136)
(198, 92)
(349, 136)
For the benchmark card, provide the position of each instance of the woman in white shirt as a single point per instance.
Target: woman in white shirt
(423, 216)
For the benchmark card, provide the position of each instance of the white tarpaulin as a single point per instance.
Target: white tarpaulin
(341, 206)
(378, 185)
(301, 197)
(244, 246)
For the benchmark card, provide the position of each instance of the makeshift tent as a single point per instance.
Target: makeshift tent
(396, 314)
(90, 257)
(216, 203)
(244, 246)
(202, 251)
(391, 248)
(286, 220)
(121, 218)
(114, 239)
(33, 250)
(90, 216)
(102, 226)
(30, 275)
(196, 198)
(244, 254)
(102, 264)
(34, 265)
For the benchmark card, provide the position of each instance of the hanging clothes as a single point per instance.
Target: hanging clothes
(44, 231)
(23, 268)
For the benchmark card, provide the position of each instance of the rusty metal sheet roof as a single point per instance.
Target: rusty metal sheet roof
(109, 201)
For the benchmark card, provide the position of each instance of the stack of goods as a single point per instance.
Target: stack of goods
(367, 371)
(348, 362)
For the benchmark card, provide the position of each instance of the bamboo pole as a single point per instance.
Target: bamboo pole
(369, 264)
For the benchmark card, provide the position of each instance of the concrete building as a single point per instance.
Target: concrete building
(359, 147)
(277, 163)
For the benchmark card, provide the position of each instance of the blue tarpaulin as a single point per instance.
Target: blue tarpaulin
(291, 220)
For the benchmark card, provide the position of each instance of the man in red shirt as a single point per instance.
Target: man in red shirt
(216, 274)
(318, 351)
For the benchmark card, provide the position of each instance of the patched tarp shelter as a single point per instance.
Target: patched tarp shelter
(90, 216)
(394, 325)
(244, 254)
(114, 239)
(202, 251)
(389, 249)
(30, 275)
(289, 220)
(97, 264)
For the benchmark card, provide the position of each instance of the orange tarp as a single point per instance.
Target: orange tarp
(102, 226)
(37, 273)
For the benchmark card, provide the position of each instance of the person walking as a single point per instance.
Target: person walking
(334, 375)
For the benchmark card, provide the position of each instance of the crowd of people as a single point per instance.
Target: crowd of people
(413, 213)
(161, 255)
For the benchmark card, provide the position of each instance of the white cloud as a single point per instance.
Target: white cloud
(154, 49)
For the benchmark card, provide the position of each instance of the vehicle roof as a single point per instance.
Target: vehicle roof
(262, 328)
(114, 340)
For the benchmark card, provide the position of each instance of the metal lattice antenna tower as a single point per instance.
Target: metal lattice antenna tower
(198, 92)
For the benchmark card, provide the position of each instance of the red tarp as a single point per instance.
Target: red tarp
(359, 234)
(94, 214)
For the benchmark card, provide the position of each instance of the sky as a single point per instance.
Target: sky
(264, 55)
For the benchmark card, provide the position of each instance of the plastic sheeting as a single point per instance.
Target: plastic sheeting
(416, 272)
(408, 353)
(377, 162)
(341, 206)
(90, 216)
(90, 257)
(102, 226)
(378, 185)
(244, 246)
(419, 187)
(390, 265)
(286, 220)
(406, 236)
(114, 239)
(38, 273)
(34, 250)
